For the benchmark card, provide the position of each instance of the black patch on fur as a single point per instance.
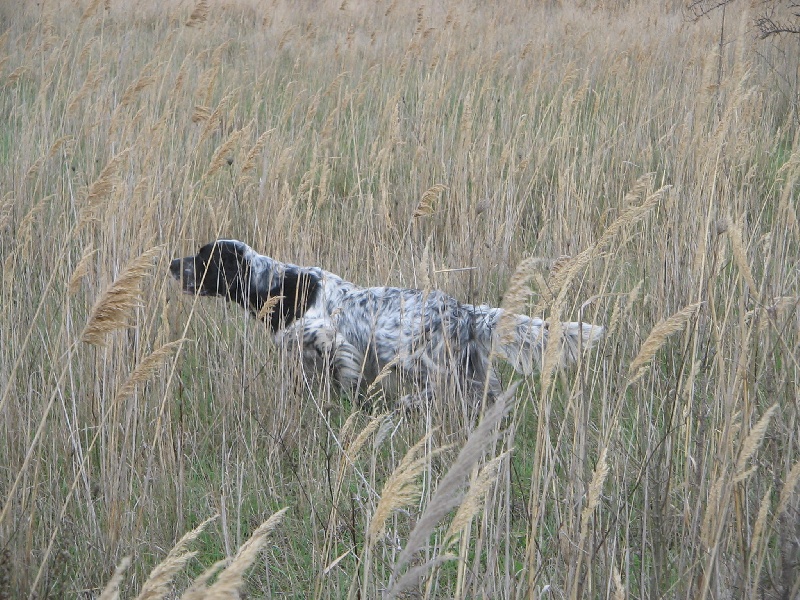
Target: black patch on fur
(297, 291)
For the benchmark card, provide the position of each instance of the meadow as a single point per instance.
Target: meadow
(614, 162)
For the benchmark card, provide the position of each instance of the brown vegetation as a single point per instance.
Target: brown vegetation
(638, 178)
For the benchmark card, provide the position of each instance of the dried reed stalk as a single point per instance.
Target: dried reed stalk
(146, 367)
(266, 310)
(740, 257)
(199, 587)
(621, 311)
(223, 154)
(752, 442)
(411, 577)
(471, 504)
(93, 78)
(90, 10)
(112, 310)
(635, 213)
(400, 488)
(619, 588)
(553, 355)
(352, 450)
(6, 206)
(216, 118)
(255, 151)
(448, 493)
(788, 488)
(595, 491)
(424, 271)
(201, 114)
(564, 273)
(102, 186)
(80, 271)
(425, 205)
(199, 14)
(658, 337)
(759, 543)
(157, 585)
(516, 298)
(348, 426)
(111, 591)
(761, 522)
(518, 291)
(713, 510)
(231, 579)
(144, 81)
(592, 502)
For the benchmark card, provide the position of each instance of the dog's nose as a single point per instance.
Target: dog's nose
(175, 268)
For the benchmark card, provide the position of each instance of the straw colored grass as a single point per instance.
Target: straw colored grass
(605, 162)
(231, 578)
(658, 337)
(400, 488)
(157, 584)
(111, 591)
(112, 310)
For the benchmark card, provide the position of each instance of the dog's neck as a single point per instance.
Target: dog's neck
(280, 293)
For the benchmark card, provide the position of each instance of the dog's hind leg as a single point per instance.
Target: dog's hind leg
(419, 373)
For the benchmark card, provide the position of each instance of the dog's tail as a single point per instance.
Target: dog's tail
(522, 341)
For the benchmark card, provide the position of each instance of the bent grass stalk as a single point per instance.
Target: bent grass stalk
(109, 313)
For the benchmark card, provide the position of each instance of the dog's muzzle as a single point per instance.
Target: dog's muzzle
(182, 269)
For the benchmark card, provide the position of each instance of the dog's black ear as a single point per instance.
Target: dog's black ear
(297, 291)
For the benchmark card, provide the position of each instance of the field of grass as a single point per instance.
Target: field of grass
(639, 178)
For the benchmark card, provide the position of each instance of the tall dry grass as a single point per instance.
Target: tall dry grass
(638, 178)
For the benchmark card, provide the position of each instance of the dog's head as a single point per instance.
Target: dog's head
(220, 268)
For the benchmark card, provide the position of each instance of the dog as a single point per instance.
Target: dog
(363, 336)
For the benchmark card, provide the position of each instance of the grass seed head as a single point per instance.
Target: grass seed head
(113, 309)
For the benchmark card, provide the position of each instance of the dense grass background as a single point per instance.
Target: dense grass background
(666, 464)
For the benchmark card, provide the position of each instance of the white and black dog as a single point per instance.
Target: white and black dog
(358, 334)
